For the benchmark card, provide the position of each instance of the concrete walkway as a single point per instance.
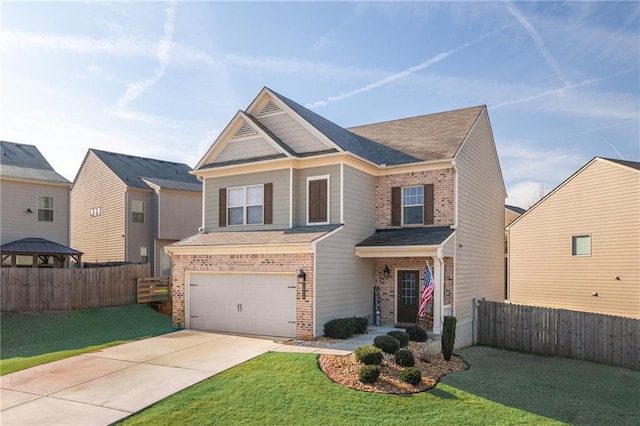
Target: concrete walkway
(102, 387)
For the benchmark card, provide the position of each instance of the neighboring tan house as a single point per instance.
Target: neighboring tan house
(34, 209)
(127, 209)
(579, 247)
(303, 219)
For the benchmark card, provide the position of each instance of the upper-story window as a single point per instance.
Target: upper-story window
(45, 208)
(581, 245)
(412, 205)
(246, 205)
(137, 211)
(318, 200)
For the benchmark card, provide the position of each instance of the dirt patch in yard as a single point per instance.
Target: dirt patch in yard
(343, 369)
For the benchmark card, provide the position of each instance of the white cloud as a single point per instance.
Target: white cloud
(525, 194)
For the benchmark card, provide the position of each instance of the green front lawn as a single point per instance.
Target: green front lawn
(30, 339)
(500, 388)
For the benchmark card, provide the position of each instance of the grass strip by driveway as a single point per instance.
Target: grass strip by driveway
(30, 339)
(571, 391)
(288, 389)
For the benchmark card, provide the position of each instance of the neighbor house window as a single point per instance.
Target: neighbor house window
(45, 209)
(412, 205)
(245, 205)
(96, 211)
(144, 255)
(137, 211)
(581, 245)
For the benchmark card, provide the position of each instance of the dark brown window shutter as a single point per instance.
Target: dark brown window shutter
(318, 199)
(222, 208)
(429, 204)
(268, 203)
(396, 205)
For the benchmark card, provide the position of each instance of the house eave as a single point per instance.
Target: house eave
(239, 249)
(397, 251)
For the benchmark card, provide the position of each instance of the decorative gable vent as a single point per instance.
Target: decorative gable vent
(269, 108)
(244, 130)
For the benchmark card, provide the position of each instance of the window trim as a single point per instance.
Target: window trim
(52, 209)
(314, 178)
(133, 212)
(402, 206)
(573, 245)
(244, 205)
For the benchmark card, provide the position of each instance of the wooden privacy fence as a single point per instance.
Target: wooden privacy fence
(586, 336)
(54, 289)
(153, 289)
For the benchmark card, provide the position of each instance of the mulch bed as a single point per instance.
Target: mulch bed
(343, 369)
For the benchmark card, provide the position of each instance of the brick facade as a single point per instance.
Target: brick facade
(388, 286)
(249, 263)
(443, 181)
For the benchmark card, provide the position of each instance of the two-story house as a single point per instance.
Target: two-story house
(578, 248)
(303, 219)
(128, 208)
(34, 209)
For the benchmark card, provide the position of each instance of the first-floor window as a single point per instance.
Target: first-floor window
(144, 255)
(245, 205)
(45, 209)
(581, 245)
(137, 211)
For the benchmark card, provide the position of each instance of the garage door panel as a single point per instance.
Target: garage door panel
(261, 304)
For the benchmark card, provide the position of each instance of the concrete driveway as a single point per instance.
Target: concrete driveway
(102, 387)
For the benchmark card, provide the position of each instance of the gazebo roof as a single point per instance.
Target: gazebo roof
(37, 246)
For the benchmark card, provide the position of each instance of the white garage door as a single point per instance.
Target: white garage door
(260, 304)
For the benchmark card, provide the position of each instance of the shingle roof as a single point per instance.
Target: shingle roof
(351, 142)
(515, 209)
(427, 137)
(130, 169)
(297, 235)
(172, 184)
(407, 237)
(632, 164)
(37, 246)
(21, 161)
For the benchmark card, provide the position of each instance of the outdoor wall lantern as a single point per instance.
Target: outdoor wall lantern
(29, 211)
(302, 279)
(387, 271)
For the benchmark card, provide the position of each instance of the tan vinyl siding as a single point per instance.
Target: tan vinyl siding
(100, 238)
(140, 234)
(344, 282)
(179, 214)
(18, 196)
(244, 149)
(300, 193)
(603, 201)
(292, 133)
(479, 237)
(280, 180)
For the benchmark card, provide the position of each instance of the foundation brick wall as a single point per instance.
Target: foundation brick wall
(443, 183)
(289, 263)
(388, 286)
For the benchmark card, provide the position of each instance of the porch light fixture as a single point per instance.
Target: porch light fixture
(302, 279)
(29, 211)
(387, 271)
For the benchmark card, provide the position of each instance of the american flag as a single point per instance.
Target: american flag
(427, 291)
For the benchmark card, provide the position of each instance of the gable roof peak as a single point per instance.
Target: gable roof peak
(24, 161)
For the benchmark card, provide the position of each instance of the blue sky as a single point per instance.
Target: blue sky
(162, 79)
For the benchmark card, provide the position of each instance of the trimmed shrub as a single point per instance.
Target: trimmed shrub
(404, 358)
(340, 328)
(369, 355)
(402, 337)
(343, 328)
(369, 374)
(448, 336)
(411, 375)
(416, 333)
(360, 324)
(387, 343)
